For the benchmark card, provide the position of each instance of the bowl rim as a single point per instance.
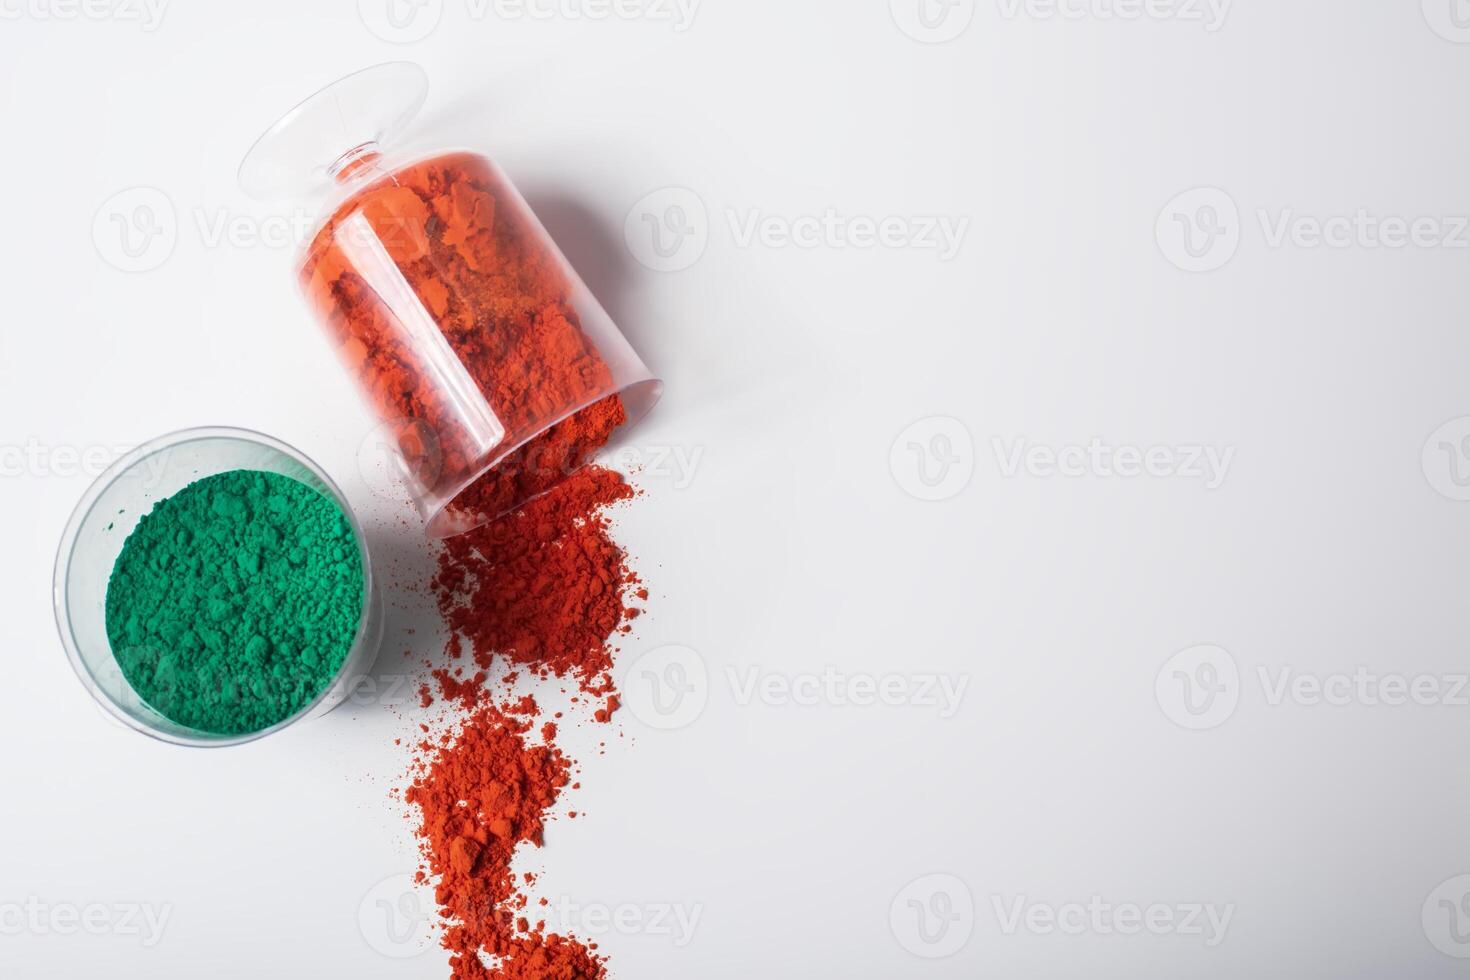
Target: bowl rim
(83, 511)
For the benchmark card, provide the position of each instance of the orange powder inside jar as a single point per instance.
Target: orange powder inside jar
(464, 329)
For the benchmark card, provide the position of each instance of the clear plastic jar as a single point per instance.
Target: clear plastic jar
(472, 339)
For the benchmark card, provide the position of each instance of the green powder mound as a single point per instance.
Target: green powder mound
(235, 601)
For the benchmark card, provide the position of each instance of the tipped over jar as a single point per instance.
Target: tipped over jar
(491, 368)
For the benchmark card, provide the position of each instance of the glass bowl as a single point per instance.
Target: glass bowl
(110, 510)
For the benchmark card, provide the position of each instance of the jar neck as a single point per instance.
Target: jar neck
(355, 162)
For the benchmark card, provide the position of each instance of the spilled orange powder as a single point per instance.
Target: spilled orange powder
(544, 590)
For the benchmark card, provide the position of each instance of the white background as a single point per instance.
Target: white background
(798, 544)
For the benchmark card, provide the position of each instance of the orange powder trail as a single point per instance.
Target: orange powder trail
(546, 590)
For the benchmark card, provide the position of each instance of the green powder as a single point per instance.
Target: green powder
(235, 601)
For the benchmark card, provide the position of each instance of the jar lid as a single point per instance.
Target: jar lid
(345, 121)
